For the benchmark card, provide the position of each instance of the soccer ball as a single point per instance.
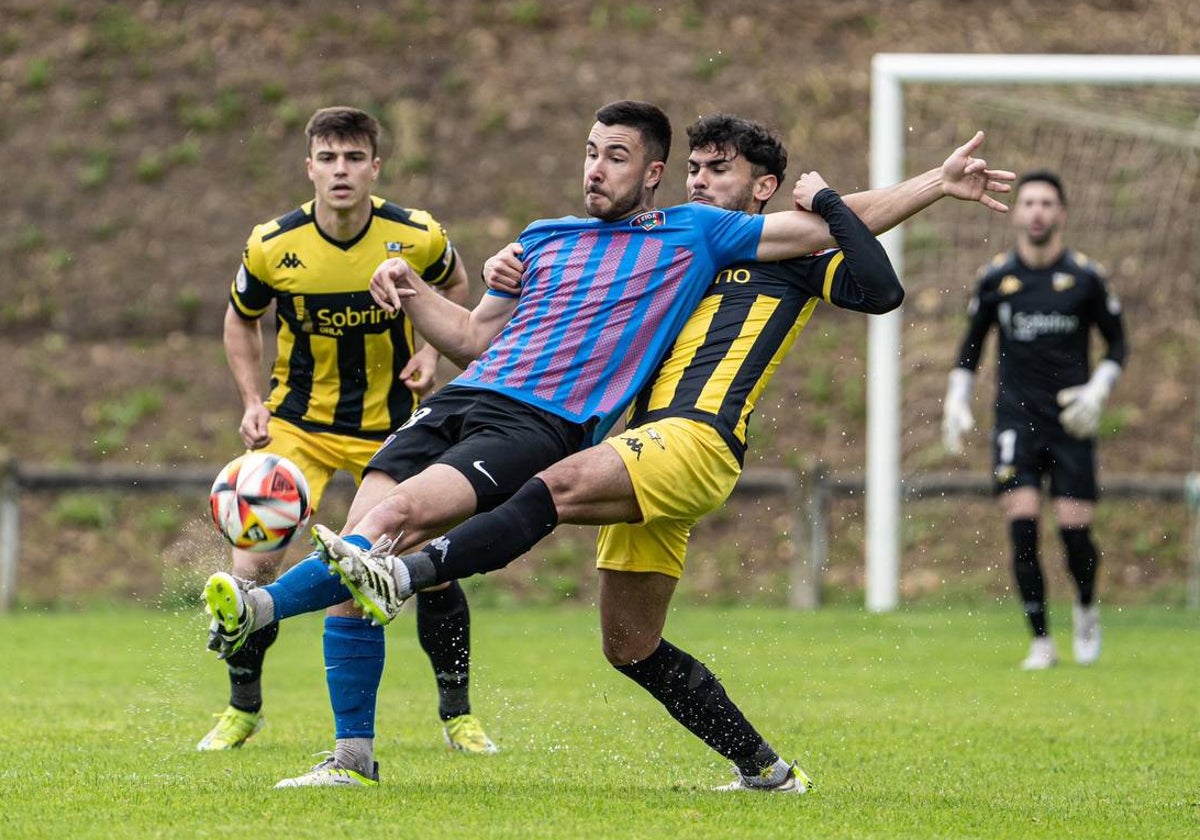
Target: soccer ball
(259, 501)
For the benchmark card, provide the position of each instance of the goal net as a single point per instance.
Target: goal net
(1123, 133)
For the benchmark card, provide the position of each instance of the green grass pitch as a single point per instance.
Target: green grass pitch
(915, 724)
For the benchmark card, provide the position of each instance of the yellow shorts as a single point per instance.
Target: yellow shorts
(319, 454)
(681, 470)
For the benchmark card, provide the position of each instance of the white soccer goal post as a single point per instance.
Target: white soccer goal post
(890, 74)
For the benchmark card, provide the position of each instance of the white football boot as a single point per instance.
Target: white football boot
(1086, 639)
(1042, 655)
(369, 574)
(232, 613)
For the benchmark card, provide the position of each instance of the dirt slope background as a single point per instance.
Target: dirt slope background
(143, 140)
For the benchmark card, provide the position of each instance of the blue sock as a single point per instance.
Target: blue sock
(354, 651)
(309, 586)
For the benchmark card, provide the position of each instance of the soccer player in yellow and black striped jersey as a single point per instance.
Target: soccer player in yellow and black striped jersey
(345, 375)
(683, 448)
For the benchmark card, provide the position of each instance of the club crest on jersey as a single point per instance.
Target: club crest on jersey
(649, 220)
(1010, 285)
(397, 247)
(1062, 280)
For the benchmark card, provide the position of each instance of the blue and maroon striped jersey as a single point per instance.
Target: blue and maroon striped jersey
(601, 302)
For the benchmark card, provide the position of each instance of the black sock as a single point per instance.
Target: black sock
(246, 667)
(695, 697)
(487, 541)
(1082, 561)
(1028, 572)
(444, 629)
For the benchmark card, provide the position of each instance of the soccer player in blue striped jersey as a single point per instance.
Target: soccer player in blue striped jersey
(684, 445)
(626, 278)
(602, 302)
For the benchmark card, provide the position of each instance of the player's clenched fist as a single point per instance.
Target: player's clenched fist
(807, 187)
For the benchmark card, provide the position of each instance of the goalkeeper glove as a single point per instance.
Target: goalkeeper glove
(956, 409)
(1082, 404)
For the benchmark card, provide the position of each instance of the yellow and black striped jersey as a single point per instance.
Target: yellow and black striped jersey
(733, 343)
(749, 318)
(339, 355)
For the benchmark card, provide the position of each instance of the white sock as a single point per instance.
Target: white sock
(771, 776)
(402, 577)
(262, 608)
(356, 754)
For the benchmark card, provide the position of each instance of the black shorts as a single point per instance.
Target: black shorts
(1023, 455)
(496, 442)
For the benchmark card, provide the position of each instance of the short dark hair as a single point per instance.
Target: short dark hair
(752, 140)
(343, 123)
(648, 119)
(1046, 177)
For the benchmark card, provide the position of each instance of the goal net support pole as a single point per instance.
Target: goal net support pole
(889, 73)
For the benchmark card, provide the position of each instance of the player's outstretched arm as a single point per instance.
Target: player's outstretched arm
(459, 334)
(963, 176)
(968, 178)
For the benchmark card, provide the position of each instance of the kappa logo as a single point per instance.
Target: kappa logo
(635, 446)
(1062, 280)
(649, 220)
(440, 546)
(291, 260)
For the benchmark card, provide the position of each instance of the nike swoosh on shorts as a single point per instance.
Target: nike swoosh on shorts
(479, 466)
